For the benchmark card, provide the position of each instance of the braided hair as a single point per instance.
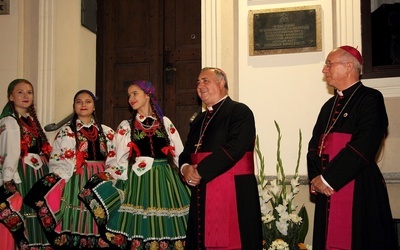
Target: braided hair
(72, 123)
(148, 88)
(31, 110)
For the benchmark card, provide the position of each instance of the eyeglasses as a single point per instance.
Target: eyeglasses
(329, 64)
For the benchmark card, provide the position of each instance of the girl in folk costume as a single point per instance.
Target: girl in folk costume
(24, 153)
(79, 151)
(140, 201)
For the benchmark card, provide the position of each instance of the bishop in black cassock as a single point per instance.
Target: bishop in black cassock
(352, 205)
(224, 209)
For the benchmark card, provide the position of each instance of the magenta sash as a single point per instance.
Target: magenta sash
(339, 231)
(221, 218)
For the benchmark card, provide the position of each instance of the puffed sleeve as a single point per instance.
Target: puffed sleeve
(117, 166)
(63, 156)
(174, 137)
(10, 150)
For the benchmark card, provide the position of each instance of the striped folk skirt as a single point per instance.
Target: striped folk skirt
(142, 212)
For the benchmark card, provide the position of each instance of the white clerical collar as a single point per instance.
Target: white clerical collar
(211, 108)
(340, 92)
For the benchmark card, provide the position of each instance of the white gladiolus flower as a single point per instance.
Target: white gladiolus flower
(266, 196)
(282, 227)
(281, 224)
(275, 190)
(281, 208)
(284, 217)
(289, 197)
(293, 207)
(285, 202)
(265, 209)
(295, 218)
(294, 182)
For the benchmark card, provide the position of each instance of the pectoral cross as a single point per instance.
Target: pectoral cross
(197, 146)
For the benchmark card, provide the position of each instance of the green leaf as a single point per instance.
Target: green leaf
(304, 226)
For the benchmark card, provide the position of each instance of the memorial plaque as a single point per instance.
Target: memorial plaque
(285, 30)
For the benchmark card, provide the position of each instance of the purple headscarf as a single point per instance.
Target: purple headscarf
(149, 89)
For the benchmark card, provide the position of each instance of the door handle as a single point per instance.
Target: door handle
(169, 73)
(170, 68)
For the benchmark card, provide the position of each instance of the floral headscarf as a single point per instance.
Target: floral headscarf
(149, 89)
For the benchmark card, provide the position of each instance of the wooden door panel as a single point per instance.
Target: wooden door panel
(138, 40)
(132, 19)
(132, 52)
(182, 51)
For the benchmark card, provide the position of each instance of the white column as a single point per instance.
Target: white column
(347, 23)
(210, 38)
(46, 63)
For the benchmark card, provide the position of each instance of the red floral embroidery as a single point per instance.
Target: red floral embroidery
(102, 243)
(110, 136)
(34, 160)
(50, 179)
(163, 245)
(43, 211)
(119, 240)
(13, 221)
(142, 164)
(46, 148)
(121, 131)
(5, 213)
(84, 243)
(172, 130)
(70, 134)
(135, 244)
(111, 154)
(83, 146)
(69, 154)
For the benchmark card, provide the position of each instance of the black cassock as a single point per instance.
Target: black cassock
(229, 132)
(361, 113)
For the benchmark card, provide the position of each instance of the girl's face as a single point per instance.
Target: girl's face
(139, 100)
(84, 106)
(22, 96)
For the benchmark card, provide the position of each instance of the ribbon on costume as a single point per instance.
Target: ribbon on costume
(80, 161)
(169, 149)
(132, 146)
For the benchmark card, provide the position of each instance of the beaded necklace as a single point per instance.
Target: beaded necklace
(91, 133)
